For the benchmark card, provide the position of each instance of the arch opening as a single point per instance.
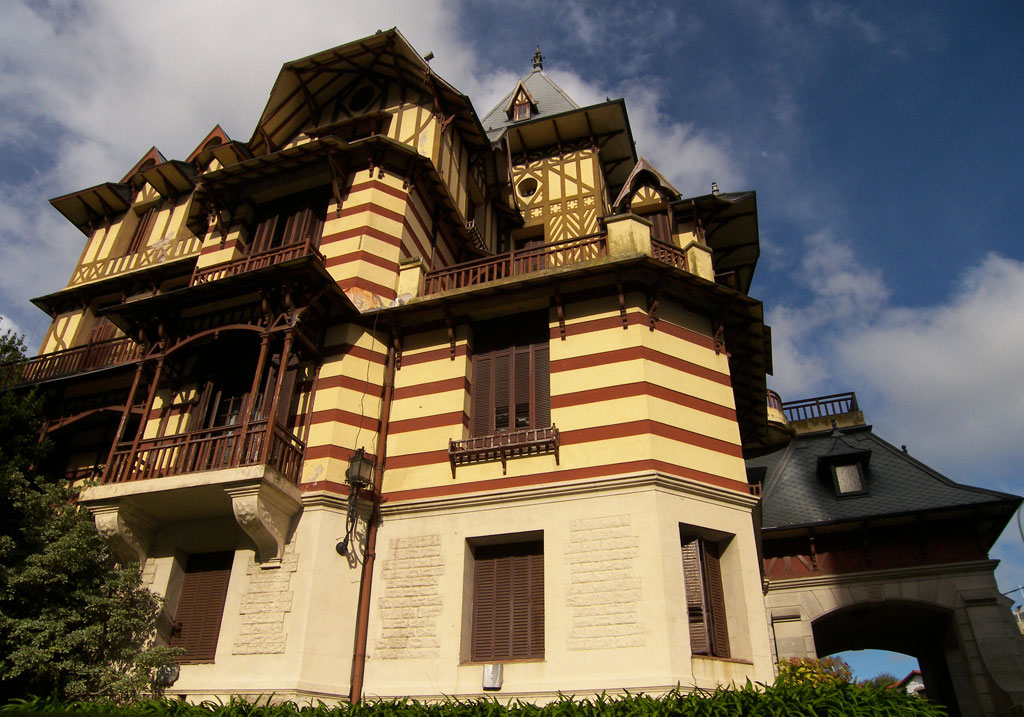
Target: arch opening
(922, 631)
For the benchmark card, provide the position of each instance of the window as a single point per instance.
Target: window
(141, 231)
(849, 478)
(705, 600)
(511, 375)
(290, 221)
(197, 620)
(508, 602)
(521, 111)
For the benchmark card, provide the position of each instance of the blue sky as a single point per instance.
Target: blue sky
(883, 140)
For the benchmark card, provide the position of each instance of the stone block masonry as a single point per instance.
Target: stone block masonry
(411, 600)
(267, 599)
(604, 591)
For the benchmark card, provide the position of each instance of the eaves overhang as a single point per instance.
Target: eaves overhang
(731, 230)
(88, 208)
(605, 124)
(81, 295)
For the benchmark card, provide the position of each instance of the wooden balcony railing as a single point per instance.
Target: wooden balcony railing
(79, 359)
(502, 446)
(159, 253)
(207, 450)
(820, 407)
(774, 400)
(255, 261)
(668, 253)
(516, 263)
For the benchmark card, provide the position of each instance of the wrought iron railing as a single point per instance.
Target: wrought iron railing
(668, 253)
(255, 261)
(79, 359)
(159, 253)
(502, 446)
(820, 407)
(516, 263)
(207, 450)
(774, 400)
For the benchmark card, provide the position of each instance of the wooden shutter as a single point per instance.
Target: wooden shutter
(141, 230)
(483, 406)
(284, 401)
(263, 237)
(716, 599)
(197, 620)
(102, 329)
(503, 400)
(661, 229)
(693, 585)
(508, 602)
(522, 392)
(541, 386)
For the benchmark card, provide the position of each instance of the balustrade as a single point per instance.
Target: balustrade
(207, 450)
(255, 261)
(78, 359)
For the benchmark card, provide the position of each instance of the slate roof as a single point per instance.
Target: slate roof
(796, 494)
(550, 98)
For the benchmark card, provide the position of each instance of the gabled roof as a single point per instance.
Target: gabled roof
(153, 156)
(795, 494)
(643, 174)
(306, 84)
(547, 97)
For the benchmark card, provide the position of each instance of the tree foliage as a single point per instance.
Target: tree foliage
(73, 623)
(814, 671)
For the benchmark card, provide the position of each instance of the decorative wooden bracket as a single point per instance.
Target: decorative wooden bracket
(720, 339)
(396, 344)
(559, 311)
(652, 304)
(449, 321)
(337, 175)
(622, 304)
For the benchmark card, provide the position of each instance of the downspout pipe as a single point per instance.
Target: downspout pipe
(366, 580)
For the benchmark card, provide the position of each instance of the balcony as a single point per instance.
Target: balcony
(516, 263)
(820, 407)
(536, 259)
(160, 253)
(253, 262)
(208, 450)
(502, 446)
(101, 354)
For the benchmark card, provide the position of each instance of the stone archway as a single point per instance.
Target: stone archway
(921, 630)
(951, 617)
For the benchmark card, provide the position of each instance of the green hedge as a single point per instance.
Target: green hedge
(831, 699)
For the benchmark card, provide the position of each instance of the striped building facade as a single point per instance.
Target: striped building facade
(395, 400)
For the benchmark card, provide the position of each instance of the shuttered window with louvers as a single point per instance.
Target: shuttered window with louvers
(705, 599)
(511, 376)
(508, 602)
(197, 620)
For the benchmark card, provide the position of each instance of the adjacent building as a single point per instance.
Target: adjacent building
(394, 400)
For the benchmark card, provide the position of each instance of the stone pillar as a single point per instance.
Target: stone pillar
(698, 260)
(410, 278)
(628, 235)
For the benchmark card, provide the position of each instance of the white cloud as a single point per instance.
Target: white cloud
(943, 378)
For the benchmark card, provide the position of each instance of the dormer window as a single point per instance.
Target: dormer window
(521, 105)
(849, 479)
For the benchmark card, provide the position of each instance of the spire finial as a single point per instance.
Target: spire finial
(538, 59)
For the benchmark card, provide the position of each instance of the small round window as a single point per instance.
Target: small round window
(527, 187)
(361, 99)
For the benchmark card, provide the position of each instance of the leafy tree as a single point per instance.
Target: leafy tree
(73, 623)
(813, 671)
(883, 679)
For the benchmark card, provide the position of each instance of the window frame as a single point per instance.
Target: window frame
(511, 389)
(704, 595)
(507, 593)
(199, 614)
